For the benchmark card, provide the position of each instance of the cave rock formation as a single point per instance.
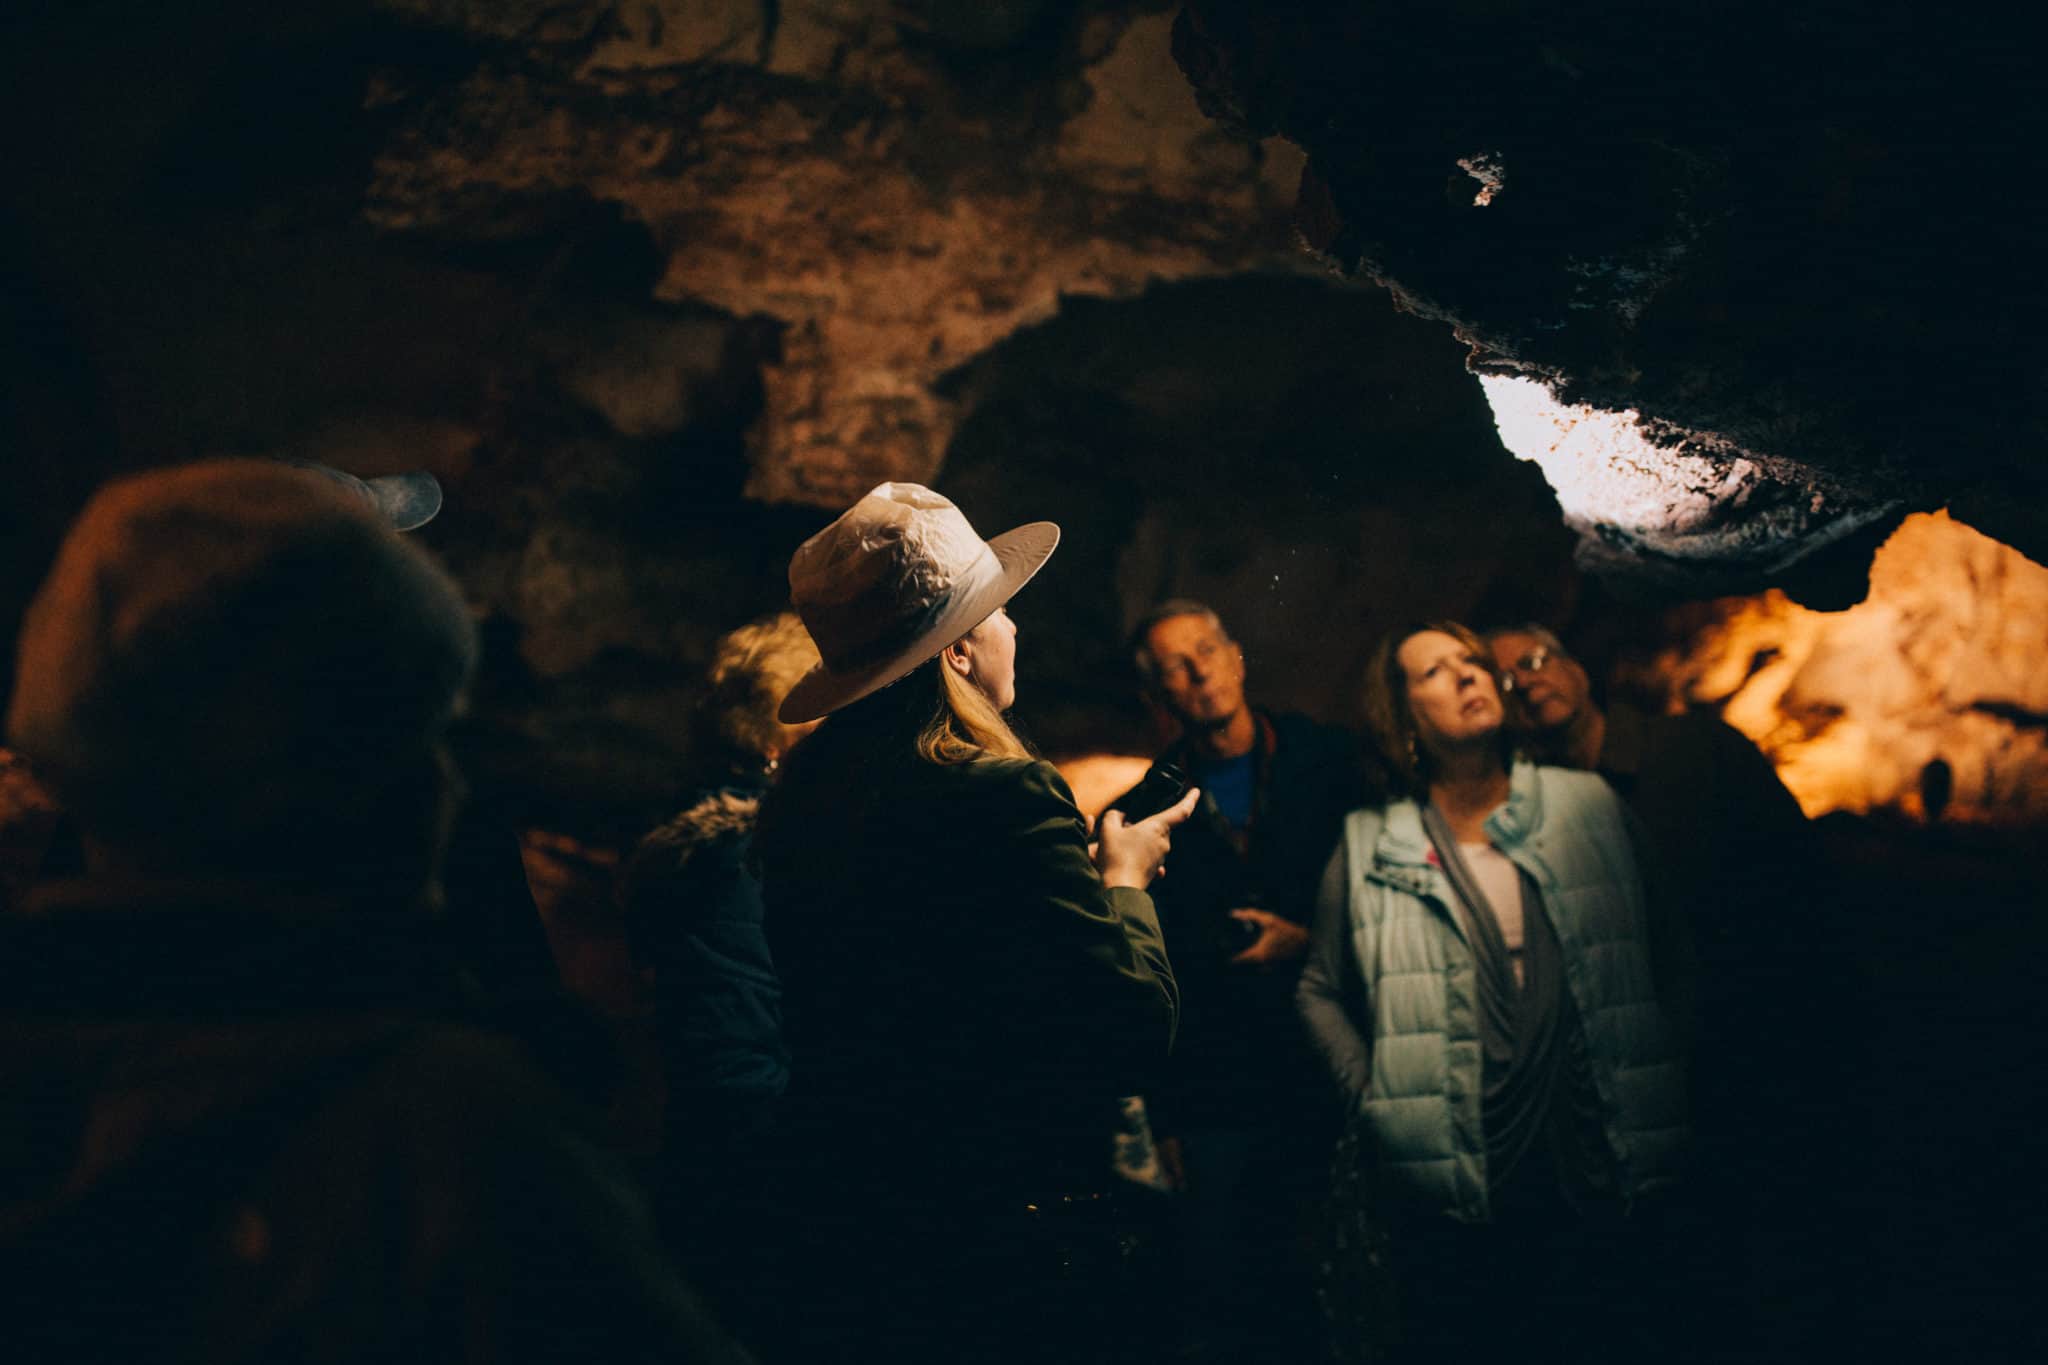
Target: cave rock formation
(1796, 242)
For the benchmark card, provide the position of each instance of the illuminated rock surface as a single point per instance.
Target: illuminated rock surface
(1661, 507)
(894, 198)
(1932, 692)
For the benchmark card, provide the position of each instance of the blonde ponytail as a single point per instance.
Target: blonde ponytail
(966, 725)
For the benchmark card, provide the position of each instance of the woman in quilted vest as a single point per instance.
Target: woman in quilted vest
(1481, 984)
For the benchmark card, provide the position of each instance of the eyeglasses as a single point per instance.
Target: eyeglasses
(1535, 661)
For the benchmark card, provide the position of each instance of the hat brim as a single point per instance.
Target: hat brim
(1021, 553)
(408, 501)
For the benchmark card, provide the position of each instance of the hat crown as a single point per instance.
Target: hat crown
(885, 571)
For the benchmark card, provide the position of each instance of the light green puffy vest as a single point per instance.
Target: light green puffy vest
(1566, 829)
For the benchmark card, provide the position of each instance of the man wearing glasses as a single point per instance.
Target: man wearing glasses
(1555, 694)
(1688, 777)
(1732, 875)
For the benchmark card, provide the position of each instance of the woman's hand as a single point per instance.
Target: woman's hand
(1132, 855)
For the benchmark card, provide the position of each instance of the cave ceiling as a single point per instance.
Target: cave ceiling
(882, 191)
(1787, 249)
(1781, 251)
(654, 285)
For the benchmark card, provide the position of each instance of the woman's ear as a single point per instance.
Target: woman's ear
(956, 657)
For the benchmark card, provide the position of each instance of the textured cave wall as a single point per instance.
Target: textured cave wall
(652, 286)
(1927, 700)
(897, 187)
(1797, 240)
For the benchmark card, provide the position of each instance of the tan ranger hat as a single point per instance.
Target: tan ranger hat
(891, 583)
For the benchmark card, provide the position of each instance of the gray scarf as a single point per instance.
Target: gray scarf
(1537, 1080)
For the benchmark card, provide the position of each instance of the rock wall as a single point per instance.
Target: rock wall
(646, 285)
(894, 195)
(652, 285)
(1929, 699)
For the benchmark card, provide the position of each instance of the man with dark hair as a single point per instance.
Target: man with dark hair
(250, 1117)
(1243, 1114)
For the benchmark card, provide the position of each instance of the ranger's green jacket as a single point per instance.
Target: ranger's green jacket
(964, 999)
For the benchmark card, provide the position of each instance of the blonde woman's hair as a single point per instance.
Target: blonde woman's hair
(752, 670)
(931, 714)
(966, 725)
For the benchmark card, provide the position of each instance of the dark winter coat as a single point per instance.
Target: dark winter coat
(1241, 1059)
(237, 1131)
(694, 915)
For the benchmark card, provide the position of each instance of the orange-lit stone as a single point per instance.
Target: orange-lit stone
(1946, 661)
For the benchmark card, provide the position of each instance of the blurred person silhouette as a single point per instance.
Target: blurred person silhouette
(691, 897)
(1242, 1113)
(1739, 893)
(487, 915)
(487, 908)
(487, 912)
(1483, 987)
(966, 983)
(251, 1117)
(37, 841)
(1680, 774)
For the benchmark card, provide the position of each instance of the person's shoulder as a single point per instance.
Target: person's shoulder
(1373, 815)
(1664, 734)
(1294, 727)
(1023, 778)
(1329, 755)
(707, 839)
(1711, 732)
(1698, 738)
(1573, 787)
(717, 816)
(1692, 725)
(1559, 777)
(998, 792)
(1583, 802)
